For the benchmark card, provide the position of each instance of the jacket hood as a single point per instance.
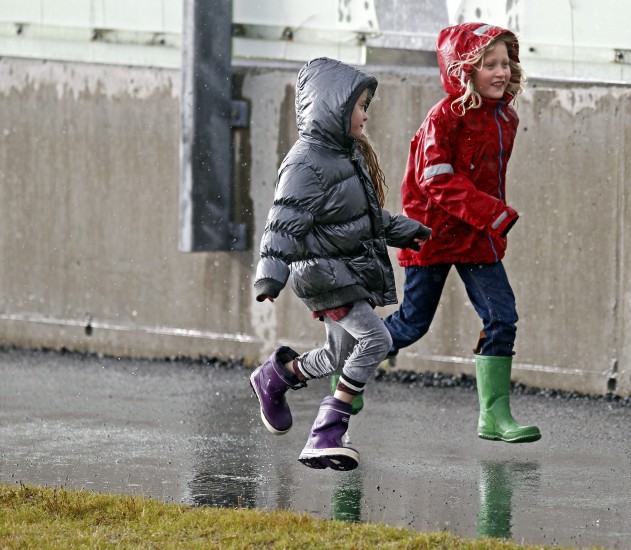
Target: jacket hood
(462, 42)
(326, 93)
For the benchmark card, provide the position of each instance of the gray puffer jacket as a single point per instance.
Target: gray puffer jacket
(326, 227)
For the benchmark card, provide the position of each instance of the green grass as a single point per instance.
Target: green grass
(53, 518)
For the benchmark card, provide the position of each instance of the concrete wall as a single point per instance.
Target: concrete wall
(89, 204)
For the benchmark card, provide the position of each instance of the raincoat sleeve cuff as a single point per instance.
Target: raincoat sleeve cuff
(504, 221)
(267, 287)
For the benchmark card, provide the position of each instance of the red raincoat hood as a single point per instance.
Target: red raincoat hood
(466, 41)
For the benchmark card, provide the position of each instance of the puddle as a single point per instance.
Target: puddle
(192, 434)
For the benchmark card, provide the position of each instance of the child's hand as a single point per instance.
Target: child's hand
(264, 296)
(417, 243)
(422, 235)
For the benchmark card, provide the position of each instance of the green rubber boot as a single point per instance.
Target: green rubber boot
(358, 400)
(496, 421)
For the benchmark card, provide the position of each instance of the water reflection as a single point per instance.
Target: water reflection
(224, 475)
(501, 484)
(346, 498)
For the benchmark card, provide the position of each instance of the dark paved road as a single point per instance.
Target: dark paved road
(191, 433)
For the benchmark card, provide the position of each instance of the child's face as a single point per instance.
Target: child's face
(493, 76)
(359, 116)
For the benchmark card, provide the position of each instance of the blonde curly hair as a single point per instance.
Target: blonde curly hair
(471, 99)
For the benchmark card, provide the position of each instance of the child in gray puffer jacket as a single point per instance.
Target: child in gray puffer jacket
(327, 230)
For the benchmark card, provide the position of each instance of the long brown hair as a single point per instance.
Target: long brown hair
(372, 164)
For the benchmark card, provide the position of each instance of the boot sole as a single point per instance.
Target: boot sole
(343, 459)
(265, 421)
(520, 439)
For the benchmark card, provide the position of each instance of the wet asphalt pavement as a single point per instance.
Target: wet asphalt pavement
(191, 432)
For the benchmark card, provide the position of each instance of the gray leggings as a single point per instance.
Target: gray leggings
(355, 345)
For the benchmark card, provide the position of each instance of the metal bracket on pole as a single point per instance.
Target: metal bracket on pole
(208, 115)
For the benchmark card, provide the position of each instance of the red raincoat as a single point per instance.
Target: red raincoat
(454, 180)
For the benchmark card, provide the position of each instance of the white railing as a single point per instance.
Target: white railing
(581, 41)
(148, 32)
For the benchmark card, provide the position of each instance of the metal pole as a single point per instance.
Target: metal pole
(206, 145)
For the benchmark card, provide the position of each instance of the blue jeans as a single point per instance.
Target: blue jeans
(488, 289)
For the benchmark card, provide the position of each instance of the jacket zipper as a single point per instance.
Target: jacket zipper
(498, 111)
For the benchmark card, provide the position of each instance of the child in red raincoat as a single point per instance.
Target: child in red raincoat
(455, 183)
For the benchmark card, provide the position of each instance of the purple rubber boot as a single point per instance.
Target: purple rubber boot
(270, 381)
(324, 447)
